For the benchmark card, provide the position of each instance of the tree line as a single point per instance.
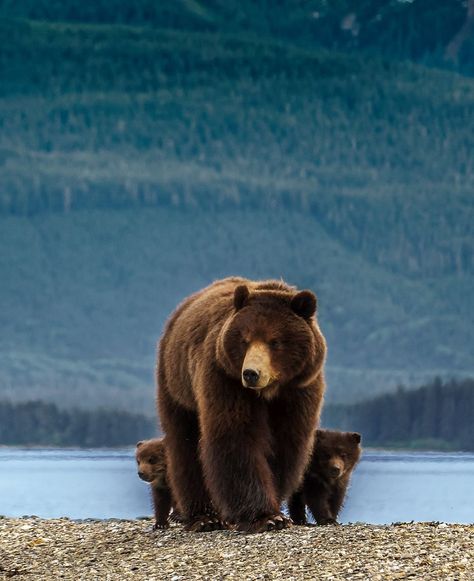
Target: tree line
(37, 423)
(438, 415)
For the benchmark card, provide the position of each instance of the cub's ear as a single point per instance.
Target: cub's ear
(356, 437)
(304, 304)
(241, 295)
(139, 443)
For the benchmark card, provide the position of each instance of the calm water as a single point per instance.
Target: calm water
(386, 487)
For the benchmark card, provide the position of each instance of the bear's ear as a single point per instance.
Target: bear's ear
(139, 443)
(356, 437)
(304, 304)
(241, 295)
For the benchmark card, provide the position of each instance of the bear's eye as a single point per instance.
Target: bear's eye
(244, 341)
(275, 343)
(153, 460)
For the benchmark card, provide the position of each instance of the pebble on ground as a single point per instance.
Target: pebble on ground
(36, 549)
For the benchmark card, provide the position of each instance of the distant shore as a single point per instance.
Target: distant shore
(115, 550)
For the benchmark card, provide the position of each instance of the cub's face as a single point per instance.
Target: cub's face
(151, 461)
(335, 454)
(271, 339)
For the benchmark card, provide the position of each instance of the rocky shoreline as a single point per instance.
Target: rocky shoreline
(33, 548)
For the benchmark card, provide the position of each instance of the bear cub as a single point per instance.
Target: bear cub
(327, 477)
(151, 466)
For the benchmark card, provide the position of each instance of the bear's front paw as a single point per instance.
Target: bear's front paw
(204, 524)
(161, 526)
(274, 522)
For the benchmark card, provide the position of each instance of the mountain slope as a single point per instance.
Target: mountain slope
(86, 295)
(429, 31)
(138, 164)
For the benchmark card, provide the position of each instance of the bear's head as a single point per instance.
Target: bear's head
(151, 461)
(335, 454)
(271, 339)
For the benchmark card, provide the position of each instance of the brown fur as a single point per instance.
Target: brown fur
(151, 467)
(327, 477)
(254, 441)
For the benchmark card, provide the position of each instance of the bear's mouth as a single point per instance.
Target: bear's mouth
(272, 382)
(144, 477)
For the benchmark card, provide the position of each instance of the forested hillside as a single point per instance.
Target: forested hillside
(437, 416)
(138, 163)
(36, 423)
(437, 32)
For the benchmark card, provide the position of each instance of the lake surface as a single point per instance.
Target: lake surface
(387, 486)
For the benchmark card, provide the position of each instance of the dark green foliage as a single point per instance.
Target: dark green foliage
(43, 424)
(418, 29)
(139, 163)
(437, 416)
(113, 117)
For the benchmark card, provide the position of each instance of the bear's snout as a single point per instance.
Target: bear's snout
(336, 468)
(251, 377)
(257, 370)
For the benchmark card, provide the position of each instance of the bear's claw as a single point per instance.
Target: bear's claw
(275, 522)
(161, 526)
(204, 524)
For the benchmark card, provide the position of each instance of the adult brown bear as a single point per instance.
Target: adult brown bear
(240, 386)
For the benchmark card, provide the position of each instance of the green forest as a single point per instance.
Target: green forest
(148, 148)
(37, 423)
(437, 416)
(430, 31)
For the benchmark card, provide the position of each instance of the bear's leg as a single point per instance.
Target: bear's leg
(336, 500)
(183, 466)
(318, 504)
(297, 508)
(235, 445)
(294, 419)
(162, 505)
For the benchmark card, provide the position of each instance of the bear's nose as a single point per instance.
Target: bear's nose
(334, 471)
(141, 475)
(250, 377)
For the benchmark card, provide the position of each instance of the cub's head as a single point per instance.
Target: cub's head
(151, 461)
(271, 338)
(335, 453)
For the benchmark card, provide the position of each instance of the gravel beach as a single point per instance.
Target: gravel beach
(33, 548)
